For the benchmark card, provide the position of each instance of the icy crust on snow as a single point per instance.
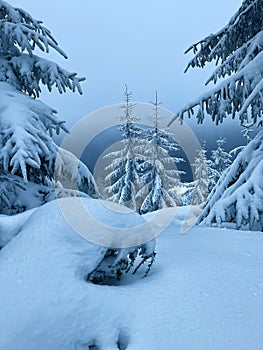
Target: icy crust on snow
(237, 198)
(204, 292)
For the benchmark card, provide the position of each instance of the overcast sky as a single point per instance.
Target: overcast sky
(138, 42)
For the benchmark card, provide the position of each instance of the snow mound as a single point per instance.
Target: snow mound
(204, 292)
(43, 269)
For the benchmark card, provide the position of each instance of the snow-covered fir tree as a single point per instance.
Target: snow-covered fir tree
(221, 159)
(247, 132)
(204, 173)
(122, 172)
(187, 193)
(237, 49)
(27, 150)
(212, 171)
(160, 179)
(201, 177)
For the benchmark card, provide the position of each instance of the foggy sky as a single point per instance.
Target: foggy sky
(138, 42)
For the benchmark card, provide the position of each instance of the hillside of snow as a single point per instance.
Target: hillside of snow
(204, 292)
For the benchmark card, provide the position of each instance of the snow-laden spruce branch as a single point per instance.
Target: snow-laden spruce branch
(238, 52)
(20, 29)
(20, 35)
(233, 36)
(235, 94)
(26, 73)
(237, 49)
(24, 139)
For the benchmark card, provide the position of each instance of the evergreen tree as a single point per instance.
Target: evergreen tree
(238, 50)
(201, 187)
(122, 172)
(160, 179)
(212, 172)
(187, 193)
(27, 124)
(220, 159)
(246, 132)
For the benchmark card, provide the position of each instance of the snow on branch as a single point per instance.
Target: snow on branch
(18, 28)
(237, 197)
(233, 95)
(24, 123)
(20, 35)
(238, 31)
(239, 59)
(239, 48)
(30, 71)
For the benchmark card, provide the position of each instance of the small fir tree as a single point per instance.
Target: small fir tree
(159, 177)
(122, 172)
(246, 132)
(221, 159)
(201, 176)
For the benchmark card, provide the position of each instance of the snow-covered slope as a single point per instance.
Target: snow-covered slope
(205, 292)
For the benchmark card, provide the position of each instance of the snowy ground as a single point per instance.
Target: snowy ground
(205, 292)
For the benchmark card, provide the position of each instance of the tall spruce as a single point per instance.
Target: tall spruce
(122, 172)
